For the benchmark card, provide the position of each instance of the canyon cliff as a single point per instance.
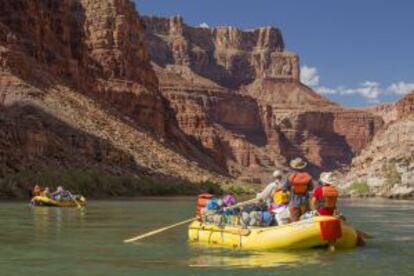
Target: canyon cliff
(386, 165)
(77, 90)
(92, 84)
(238, 93)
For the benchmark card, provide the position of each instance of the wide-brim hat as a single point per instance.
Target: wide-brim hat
(298, 163)
(327, 178)
(277, 174)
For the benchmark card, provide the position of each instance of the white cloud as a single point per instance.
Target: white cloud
(370, 90)
(401, 88)
(323, 90)
(309, 76)
(204, 25)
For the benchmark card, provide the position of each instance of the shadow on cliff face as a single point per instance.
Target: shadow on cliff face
(63, 54)
(312, 135)
(241, 116)
(38, 148)
(32, 139)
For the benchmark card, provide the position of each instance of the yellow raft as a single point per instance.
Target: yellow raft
(314, 232)
(48, 202)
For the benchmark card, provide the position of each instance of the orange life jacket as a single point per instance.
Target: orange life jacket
(299, 182)
(329, 197)
(201, 203)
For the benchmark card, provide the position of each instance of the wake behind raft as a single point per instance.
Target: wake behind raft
(319, 231)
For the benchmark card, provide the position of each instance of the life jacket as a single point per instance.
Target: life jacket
(329, 197)
(299, 182)
(281, 197)
(201, 203)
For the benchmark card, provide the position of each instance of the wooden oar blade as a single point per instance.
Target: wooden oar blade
(364, 235)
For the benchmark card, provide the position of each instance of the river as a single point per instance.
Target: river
(52, 241)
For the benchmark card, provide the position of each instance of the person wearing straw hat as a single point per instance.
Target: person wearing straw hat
(299, 183)
(325, 195)
(267, 194)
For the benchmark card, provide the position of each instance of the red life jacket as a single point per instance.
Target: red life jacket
(299, 182)
(201, 203)
(329, 197)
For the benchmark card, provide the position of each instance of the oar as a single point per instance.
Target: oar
(364, 235)
(74, 200)
(154, 232)
(242, 203)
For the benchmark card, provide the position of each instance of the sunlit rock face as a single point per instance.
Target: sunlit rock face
(387, 163)
(78, 90)
(238, 94)
(95, 46)
(229, 56)
(154, 95)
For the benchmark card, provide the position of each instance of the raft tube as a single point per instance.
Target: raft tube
(318, 231)
(48, 202)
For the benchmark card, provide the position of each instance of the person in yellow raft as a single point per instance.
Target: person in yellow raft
(267, 194)
(299, 183)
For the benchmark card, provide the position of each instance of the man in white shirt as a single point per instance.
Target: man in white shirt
(267, 194)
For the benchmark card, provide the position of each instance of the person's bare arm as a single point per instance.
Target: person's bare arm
(313, 203)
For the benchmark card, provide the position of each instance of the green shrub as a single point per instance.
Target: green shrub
(392, 176)
(242, 189)
(360, 187)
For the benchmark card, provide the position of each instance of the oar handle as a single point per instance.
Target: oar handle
(253, 200)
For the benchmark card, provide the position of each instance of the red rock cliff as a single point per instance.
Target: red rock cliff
(227, 55)
(77, 90)
(270, 118)
(96, 46)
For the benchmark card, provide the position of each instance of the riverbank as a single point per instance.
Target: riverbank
(99, 185)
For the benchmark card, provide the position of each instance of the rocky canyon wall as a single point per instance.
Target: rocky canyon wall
(238, 94)
(154, 95)
(387, 163)
(94, 46)
(77, 71)
(229, 56)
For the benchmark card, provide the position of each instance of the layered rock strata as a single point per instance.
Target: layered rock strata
(253, 114)
(78, 77)
(387, 163)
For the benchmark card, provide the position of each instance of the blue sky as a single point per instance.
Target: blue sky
(356, 52)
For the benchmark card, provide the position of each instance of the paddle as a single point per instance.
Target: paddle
(74, 200)
(157, 231)
(242, 203)
(363, 234)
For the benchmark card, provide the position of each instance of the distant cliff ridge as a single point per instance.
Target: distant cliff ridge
(227, 55)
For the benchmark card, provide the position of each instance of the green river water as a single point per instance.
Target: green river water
(52, 241)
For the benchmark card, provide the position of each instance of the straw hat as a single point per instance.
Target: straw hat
(298, 163)
(327, 178)
(277, 174)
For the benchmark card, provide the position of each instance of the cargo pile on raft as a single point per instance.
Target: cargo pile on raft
(42, 196)
(285, 215)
